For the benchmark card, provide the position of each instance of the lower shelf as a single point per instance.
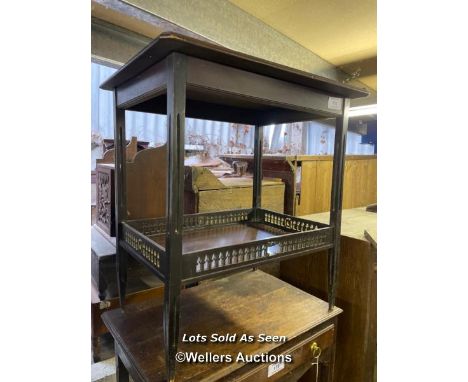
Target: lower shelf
(220, 242)
(220, 236)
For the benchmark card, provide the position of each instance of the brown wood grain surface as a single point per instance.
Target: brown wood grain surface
(146, 187)
(322, 186)
(98, 307)
(204, 192)
(216, 237)
(353, 223)
(359, 187)
(241, 197)
(131, 150)
(249, 302)
(371, 184)
(146, 184)
(169, 42)
(301, 158)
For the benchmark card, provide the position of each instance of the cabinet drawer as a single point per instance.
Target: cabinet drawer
(301, 353)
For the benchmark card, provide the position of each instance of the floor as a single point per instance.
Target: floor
(103, 371)
(103, 365)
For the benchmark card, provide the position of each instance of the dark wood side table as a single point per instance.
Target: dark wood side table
(251, 303)
(184, 77)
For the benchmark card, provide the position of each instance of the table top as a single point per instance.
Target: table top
(295, 158)
(247, 181)
(101, 244)
(250, 302)
(354, 221)
(169, 42)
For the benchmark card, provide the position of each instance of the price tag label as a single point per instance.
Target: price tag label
(334, 103)
(275, 368)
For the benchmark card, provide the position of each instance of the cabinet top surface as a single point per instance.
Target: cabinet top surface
(354, 222)
(277, 157)
(167, 43)
(244, 303)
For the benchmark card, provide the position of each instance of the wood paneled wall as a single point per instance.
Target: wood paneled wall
(360, 183)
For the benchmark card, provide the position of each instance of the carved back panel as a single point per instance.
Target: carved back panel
(146, 188)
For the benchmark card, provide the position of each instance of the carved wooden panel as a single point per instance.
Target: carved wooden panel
(105, 211)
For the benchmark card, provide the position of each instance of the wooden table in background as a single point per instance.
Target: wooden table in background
(251, 302)
(356, 355)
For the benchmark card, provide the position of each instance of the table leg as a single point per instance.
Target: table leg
(121, 372)
(96, 347)
(328, 367)
(102, 289)
(176, 95)
(120, 197)
(171, 327)
(337, 200)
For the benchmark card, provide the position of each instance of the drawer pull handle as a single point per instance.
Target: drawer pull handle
(316, 350)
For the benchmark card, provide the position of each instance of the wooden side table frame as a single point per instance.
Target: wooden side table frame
(181, 76)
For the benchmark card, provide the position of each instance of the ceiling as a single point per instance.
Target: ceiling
(343, 32)
(124, 20)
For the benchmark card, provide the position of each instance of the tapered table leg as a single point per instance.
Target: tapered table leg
(337, 199)
(121, 372)
(176, 86)
(171, 327)
(120, 197)
(257, 173)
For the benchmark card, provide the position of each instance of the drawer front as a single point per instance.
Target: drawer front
(302, 355)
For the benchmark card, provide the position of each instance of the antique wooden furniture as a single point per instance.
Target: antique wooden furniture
(146, 190)
(105, 212)
(204, 192)
(274, 308)
(133, 146)
(356, 353)
(308, 180)
(142, 284)
(180, 76)
(103, 274)
(99, 306)
(139, 145)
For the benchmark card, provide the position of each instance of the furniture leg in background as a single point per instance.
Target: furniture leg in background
(337, 199)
